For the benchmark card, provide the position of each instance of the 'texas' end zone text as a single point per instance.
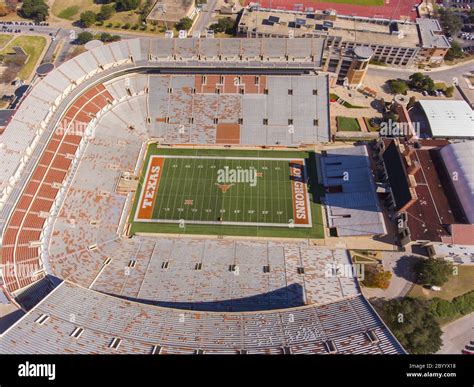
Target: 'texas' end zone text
(150, 188)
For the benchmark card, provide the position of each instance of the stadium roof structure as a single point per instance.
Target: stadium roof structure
(461, 234)
(368, 31)
(402, 193)
(449, 119)
(354, 209)
(459, 162)
(421, 189)
(431, 33)
(458, 254)
(107, 325)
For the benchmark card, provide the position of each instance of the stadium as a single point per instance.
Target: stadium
(105, 161)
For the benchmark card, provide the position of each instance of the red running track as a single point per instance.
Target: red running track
(393, 9)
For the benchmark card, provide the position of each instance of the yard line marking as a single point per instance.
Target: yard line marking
(173, 207)
(166, 194)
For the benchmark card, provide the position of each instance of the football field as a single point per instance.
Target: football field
(228, 192)
(225, 190)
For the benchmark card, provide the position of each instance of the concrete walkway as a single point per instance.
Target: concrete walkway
(401, 265)
(457, 334)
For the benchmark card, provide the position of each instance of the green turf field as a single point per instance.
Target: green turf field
(189, 190)
(226, 192)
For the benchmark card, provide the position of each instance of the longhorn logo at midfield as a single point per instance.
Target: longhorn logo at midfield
(224, 187)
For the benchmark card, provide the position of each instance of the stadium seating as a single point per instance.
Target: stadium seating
(73, 319)
(61, 215)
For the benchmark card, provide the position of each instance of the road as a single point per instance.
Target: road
(205, 16)
(400, 264)
(444, 73)
(59, 34)
(457, 334)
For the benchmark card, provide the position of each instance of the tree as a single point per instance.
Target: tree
(87, 18)
(470, 18)
(416, 80)
(421, 82)
(465, 303)
(223, 25)
(11, 5)
(434, 271)
(13, 67)
(184, 24)
(443, 308)
(459, 306)
(449, 91)
(377, 278)
(37, 10)
(451, 22)
(106, 37)
(84, 37)
(8, 6)
(398, 86)
(414, 324)
(391, 117)
(126, 5)
(454, 52)
(106, 12)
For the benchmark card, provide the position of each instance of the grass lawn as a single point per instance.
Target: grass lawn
(335, 97)
(70, 13)
(440, 86)
(188, 190)
(351, 106)
(4, 39)
(347, 124)
(123, 17)
(457, 285)
(33, 46)
(64, 9)
(223, 35)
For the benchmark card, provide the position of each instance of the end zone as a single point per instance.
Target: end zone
(300, 197)
(150, 188)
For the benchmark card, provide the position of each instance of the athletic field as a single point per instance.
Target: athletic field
(224, 191)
